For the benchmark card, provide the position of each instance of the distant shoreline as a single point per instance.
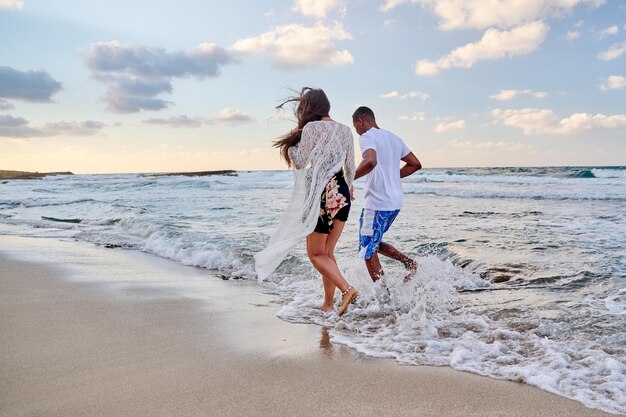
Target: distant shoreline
(25, 175)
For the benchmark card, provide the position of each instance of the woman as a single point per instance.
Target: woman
(322, 153)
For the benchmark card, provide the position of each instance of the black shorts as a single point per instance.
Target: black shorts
(335, 203)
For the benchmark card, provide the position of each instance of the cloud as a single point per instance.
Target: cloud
(228, 116)
(614, 82)
(136, 75)
(494, 44)
(5, 105)
(505, 95)
(11, 4)
(32, 86)
(415, 117)
(18, 127)
(612, 30)
(86, 128)
(615, 51)
(177, 121)
(572, 35)
(542, 121)
(410, 94)
(318, 8)
(482, 14)
(449, 127)
(231, 117)
(488, 146)
(296, 46)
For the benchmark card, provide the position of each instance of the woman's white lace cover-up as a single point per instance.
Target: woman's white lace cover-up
(325, 148)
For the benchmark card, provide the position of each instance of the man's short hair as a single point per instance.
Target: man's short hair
(363, 113)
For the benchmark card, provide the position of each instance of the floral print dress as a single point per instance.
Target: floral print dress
(334, 204)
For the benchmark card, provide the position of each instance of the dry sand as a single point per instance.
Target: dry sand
(94, 332)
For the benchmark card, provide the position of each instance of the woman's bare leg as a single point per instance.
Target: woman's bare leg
(329, 286)
(316, 249)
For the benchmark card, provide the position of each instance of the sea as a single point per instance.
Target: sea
(522, 271)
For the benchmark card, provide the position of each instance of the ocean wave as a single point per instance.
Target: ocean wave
(187, 249)
(432, 321)
(48, 202)
(609, 172)
(53, 219)
(525, 193)
(602, 176)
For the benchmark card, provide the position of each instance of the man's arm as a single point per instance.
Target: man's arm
(412, 164)
(367, 164)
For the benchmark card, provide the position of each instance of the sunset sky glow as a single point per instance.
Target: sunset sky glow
(144, 86)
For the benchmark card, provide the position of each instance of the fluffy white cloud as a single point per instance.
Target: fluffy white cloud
(136, 75)
(18, 127)
(614, 82)
(505, 95)
(415, 117)
(613, 30)
(228, 116)
(615, 51)
(411, 94)
(538, 121)
(572, 35)
(296, 46)
(449, 127)
(488, 146)
(231, 117)
(32, 86)
(494, 44)
(11, 4)
(177, 121)
(482, 14)
(5, 105)
(318, 8)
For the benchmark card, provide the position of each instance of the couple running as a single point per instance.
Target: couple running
(322, 153)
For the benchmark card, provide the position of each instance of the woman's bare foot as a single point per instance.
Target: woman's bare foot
(349, 296)
(326, 308)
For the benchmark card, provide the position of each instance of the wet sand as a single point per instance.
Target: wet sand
(97, 332)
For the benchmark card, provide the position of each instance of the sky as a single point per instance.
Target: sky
(192, 85)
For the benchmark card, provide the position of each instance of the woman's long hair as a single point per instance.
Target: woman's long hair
(312, 105)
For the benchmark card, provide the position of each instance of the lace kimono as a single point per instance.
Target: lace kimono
(325, 148)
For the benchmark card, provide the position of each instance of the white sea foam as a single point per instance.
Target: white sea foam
(427, 322)
(609, 173)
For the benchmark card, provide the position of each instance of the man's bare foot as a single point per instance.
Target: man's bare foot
(328, 308)
(412, 267)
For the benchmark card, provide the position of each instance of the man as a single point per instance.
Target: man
(382, 152)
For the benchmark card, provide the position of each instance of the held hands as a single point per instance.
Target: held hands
(352, 193)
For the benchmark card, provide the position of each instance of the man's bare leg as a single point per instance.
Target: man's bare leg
(374, 267)
(393, 253)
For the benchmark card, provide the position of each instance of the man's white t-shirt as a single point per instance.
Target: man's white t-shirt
(383, 188)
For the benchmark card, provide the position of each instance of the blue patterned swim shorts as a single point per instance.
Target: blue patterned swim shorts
(372, 225)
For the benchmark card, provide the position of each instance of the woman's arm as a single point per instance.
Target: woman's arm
(300, 152)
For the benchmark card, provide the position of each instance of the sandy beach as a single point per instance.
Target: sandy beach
(91, 331)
